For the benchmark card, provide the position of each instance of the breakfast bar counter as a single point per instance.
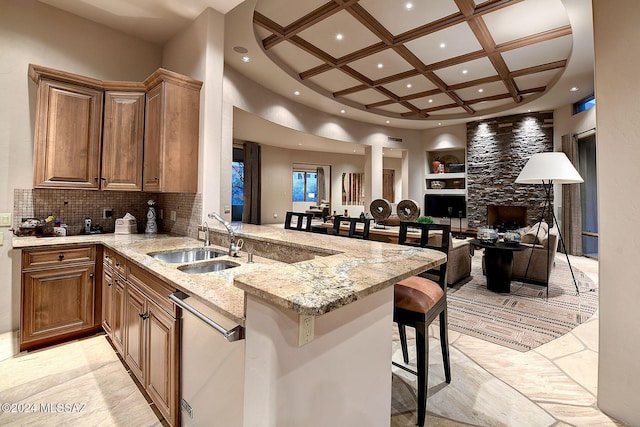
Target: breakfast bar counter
(317, 313)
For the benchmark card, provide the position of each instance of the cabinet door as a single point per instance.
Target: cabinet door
(107, 301)
(122, 141)
(117, 327)
(153, 139)
(67, 136)
(56, 302)
(135, 315)
(162, 362)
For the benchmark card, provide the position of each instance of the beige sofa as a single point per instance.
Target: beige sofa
(538, 271)
(536, 249)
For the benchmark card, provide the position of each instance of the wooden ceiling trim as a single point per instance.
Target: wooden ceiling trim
(538, 68)
(535, 38)
(378, 104)
(371, 23)
(315, 71)
(350, 90)
(362, 53)
(356, 75)
(424, 94)
(313, 50)
(476, 82)
(268, 24)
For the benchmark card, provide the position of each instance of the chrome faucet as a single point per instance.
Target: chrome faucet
(207, 241)
(233, 247)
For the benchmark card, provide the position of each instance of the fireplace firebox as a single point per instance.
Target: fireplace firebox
(506, 217)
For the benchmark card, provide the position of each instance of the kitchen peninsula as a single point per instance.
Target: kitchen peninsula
(342, 375)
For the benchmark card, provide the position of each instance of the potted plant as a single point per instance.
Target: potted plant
(425, 219)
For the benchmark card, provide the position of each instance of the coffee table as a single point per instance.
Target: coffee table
(498, 264)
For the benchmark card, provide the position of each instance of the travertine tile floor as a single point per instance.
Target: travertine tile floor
(553, 385)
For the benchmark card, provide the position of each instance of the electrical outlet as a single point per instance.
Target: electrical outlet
(173, 215)
(5, 220)
(201, 235)
(227, 208)
(107, 213)
(306, 326)
(161, 213)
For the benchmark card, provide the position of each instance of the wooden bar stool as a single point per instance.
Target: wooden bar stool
(418, 300)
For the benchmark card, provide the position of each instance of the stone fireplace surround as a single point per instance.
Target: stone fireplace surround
(497, 150)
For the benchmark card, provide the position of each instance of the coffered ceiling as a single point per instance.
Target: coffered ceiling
(438, 62)
(419, 60)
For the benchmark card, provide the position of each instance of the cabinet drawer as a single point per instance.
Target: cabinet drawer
(64, 255)
(116, 261)
(153, 288)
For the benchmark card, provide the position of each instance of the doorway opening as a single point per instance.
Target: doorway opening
(589, 195)
(237, 184)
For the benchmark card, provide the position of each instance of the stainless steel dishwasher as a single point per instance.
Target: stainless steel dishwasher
(212, 366)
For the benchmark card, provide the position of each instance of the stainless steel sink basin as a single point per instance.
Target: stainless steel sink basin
(208, 267)
(188, 255)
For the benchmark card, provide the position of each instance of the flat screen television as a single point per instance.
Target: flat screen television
(437, 205)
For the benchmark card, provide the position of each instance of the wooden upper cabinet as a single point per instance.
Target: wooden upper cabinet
(171, 133)
(127, 136)
(123, 140)
(67, 136)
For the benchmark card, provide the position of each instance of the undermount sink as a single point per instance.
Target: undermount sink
(208, 267)
(188, 255)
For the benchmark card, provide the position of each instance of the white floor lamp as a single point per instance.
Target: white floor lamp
(548, 169)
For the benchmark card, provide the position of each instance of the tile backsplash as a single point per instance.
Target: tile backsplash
(71, 207)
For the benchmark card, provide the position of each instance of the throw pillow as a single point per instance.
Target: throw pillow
(537, 233)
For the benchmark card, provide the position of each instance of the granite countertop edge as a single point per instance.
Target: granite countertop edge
(351, 269)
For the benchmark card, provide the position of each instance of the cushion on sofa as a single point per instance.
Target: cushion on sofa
(537, 233)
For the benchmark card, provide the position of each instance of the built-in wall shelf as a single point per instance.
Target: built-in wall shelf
(442, 176)
(451, 191)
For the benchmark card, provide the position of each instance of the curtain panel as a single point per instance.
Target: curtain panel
(571, 208)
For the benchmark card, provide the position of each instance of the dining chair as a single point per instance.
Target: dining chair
(298, 219)
(418, 300)
(354, 231)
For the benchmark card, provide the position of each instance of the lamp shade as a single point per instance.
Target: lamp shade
(545, 168)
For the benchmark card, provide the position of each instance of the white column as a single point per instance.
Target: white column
(372, 174)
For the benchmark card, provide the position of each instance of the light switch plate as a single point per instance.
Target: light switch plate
(5, 220)
(1, 238)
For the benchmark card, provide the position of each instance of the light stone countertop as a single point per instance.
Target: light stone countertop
(346, 270)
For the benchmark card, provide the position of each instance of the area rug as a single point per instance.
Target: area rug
(525, 318)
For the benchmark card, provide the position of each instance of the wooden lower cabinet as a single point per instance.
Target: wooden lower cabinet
(144, 328)
(112, 306)
(59, 298)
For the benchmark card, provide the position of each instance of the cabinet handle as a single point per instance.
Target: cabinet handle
(117, 264)
(95, 178)
(156, 178)
(109, 284)
(143, 316)
(91, 276)
(103, 178)
(61, 257)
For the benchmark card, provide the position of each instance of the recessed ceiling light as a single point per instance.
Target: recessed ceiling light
(339, 36)
(240, 49)
(439, 124)
(380, 65)
(296, 93)
(388, 121)
(246, 59)
(442, 45)
(409, 85)
(574, 89)
(409, 6)
(343, 111)
(465, 71)
(299, 143)
(480, 90)
(354, 151)
(528, 111)
(431, 100)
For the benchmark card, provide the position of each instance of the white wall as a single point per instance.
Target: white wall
(617, 87)
(32, 32)
(276, 179)
(198, 52)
